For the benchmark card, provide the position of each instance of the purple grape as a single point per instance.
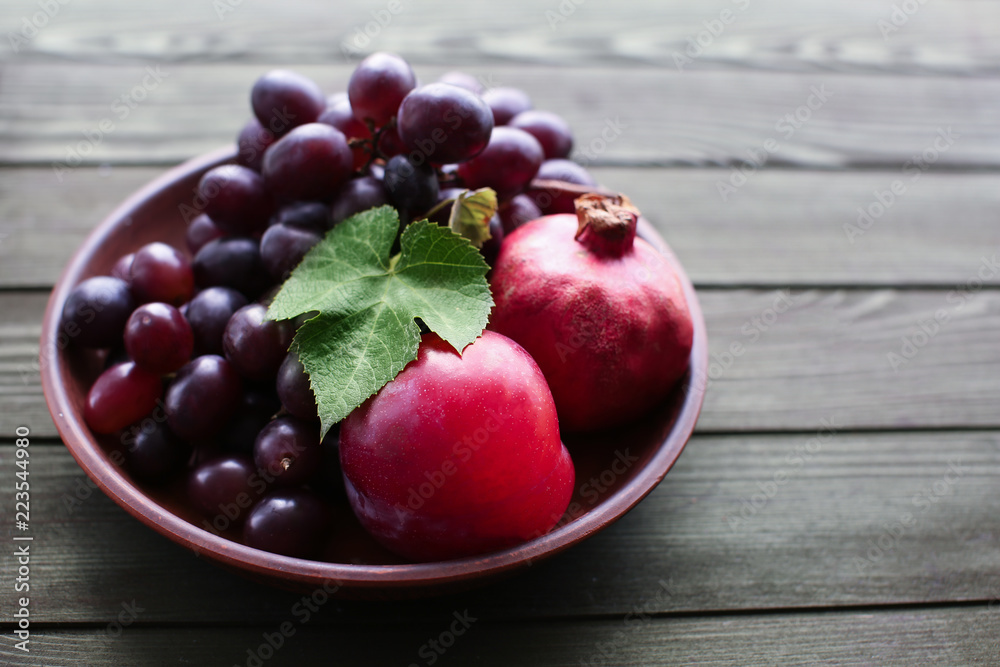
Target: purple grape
(308, 163)
(557, 201)
(235, 199)
(155, 453)
(462, 80)
(96, 311)
(258, 405)
(506, 103)
(357, 195)
(507, 164)
(232, 262)
(378, 85)
(200, 231)
(341, 116)
(310, 215)
(519, 210)
(251, 143)
(410, 188)
(551, 131)
(442, 123)
(161, 273)
(283, 100)
(158, 338)
(123, 268)
(226, 487)
(256, 346)
(294, 390)
(287, 450)
(291, 522)
(203, 397)
(491, 247)
(208, 313)
(282, 248)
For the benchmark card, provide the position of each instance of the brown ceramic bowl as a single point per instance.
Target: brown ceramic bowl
(629, 462)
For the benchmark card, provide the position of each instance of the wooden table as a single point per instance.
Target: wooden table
(827, 173)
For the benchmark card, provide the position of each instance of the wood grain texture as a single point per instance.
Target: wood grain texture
(962, 636)
(829, 355)
(741, 523)
(951, 37)
(52, 114)
(782, 228)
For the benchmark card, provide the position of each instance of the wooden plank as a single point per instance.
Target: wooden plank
(741, 523)
(950, 636)
(781, 228)
(861, 358)
(53, 113)
(763, 34)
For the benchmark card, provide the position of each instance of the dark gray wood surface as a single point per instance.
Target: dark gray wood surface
(827, 571)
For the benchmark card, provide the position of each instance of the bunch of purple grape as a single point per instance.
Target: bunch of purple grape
(199, 385)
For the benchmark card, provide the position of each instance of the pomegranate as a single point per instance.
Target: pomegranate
(601, 311)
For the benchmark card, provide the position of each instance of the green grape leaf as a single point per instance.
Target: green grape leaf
(471, 214)
(364, 303)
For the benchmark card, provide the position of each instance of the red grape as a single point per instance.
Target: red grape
(378, 85)
(235, 199)
(282, 100)
(121, 395)
(287, 450)
(256, 346)
(96, 311)
(441, 123)
(204, 395)
(551, 131)
(200, 231)
(161, 273)
(158, 338)
(291, 522)
(310, 163)
(507, 164)
(506, 103)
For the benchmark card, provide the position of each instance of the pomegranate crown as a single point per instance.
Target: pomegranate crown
(606, 223)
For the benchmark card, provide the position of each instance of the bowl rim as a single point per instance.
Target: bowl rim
(111, 480)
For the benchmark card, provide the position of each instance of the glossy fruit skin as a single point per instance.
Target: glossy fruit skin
(308, 163)
(96, 312)
(377, 86)
(121, 395)
(458, 455)
(442, 123)
(612, 334)
(158, 338)
(507, 164)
